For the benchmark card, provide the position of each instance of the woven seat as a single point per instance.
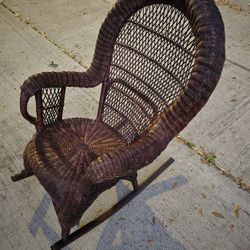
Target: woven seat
(60, 154)
(158, 62)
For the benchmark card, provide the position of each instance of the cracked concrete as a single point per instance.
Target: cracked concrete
(176, 212)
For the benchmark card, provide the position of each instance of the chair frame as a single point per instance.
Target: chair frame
(208, 29)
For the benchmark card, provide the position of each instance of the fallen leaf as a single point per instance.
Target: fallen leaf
(200, 211)
(150, 241)
(244, 186)
(236, 210)
(247, 188)
(170, 220)
(231, 226)
(218, 214)
(204, 196)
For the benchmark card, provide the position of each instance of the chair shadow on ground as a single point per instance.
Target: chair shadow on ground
(38, 223)
(136, 227)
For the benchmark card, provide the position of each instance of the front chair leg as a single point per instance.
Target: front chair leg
(65, 232)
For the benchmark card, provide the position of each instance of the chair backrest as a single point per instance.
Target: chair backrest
(153, 54)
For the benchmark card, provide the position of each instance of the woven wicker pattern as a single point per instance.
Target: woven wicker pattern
(60, 155)
(151, 64)
(158, 62)
(51, 100)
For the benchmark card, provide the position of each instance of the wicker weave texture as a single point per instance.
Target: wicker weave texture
(59, 156)
(51, 100)
(200, 70)
(151, 64)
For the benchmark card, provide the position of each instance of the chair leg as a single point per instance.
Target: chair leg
(65, 232)
(97, 221)
(133, 179)
(24, 174)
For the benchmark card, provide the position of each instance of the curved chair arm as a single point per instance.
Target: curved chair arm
(36, 83)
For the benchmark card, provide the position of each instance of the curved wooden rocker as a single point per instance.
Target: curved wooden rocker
(158, 62)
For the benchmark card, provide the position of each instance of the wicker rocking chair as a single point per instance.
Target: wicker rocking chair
(158, 62)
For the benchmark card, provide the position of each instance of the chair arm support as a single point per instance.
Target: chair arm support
(34, 84)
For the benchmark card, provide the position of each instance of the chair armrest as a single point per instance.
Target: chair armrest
(49, 90)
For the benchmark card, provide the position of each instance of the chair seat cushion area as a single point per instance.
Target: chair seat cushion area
(59, 155)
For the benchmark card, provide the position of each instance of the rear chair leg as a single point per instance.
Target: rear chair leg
(133, 179)
(24, 174)
(135, 182)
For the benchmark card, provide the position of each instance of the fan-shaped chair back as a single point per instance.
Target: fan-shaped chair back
(154, 49)
(151, 64)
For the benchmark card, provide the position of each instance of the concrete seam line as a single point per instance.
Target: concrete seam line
(237, 64)
(28, 23)
(209, 159)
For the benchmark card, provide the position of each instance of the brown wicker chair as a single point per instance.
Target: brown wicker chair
(158, 62)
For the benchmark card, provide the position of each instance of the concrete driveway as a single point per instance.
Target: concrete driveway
(197, 204)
